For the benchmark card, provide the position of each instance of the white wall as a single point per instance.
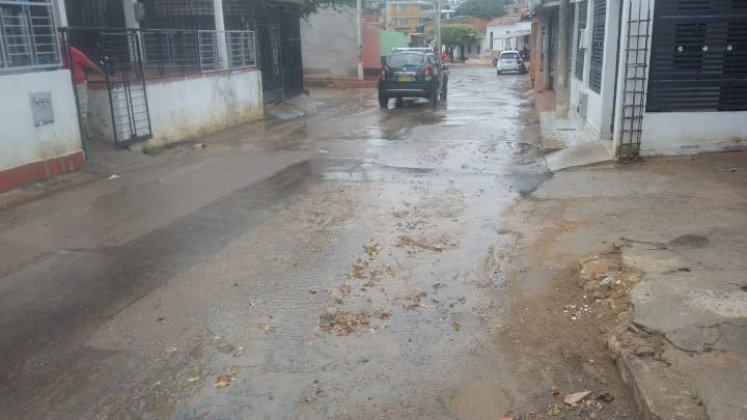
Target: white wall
(676, 133)
(20, 141)
(600, 105)
(507, 35)
(190, 107)
(329, 44)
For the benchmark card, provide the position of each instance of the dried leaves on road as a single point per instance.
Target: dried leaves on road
(224, 381)
(343, 323)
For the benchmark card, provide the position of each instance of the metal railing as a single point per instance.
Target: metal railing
(200, 50)
(28, 36)
(166, 52)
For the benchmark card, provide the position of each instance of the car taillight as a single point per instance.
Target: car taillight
(428, 72)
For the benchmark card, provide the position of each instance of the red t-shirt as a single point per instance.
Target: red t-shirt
(79, 63)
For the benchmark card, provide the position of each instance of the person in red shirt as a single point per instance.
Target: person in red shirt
(78, 63)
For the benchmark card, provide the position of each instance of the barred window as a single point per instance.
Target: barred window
(28, 37)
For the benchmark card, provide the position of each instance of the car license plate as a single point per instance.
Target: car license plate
(405, 78)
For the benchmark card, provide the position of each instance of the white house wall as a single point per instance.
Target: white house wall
(678, 133)
(600, 105)
(329, 44)
(501, 32)
(22, 142)
(185, 108)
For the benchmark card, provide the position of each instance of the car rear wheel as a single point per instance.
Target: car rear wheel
(383, 100)
(498, 72)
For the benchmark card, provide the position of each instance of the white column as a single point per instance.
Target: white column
(438, 26)
(220, 36)
(358, 17)
(59, 6)
(562, 81)
(129, 14)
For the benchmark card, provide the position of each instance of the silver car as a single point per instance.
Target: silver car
(509, 61)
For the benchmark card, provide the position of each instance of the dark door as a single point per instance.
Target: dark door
(268, 42)
(291, 62)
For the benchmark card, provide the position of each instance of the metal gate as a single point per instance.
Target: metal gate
(125, 81)
(699, 56)
(268, 42)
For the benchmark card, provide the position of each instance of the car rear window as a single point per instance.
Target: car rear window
(510, 55)
(402, 60)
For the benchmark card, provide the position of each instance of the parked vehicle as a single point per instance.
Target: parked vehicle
(510, 61)
(412, 73)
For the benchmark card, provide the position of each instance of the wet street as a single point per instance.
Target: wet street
(350, 264)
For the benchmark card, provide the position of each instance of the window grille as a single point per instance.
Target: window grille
(28, 36)
(581, 53)
(597, 45)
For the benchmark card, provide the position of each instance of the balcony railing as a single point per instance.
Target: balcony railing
(165, 52)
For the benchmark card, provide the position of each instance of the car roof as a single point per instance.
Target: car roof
(412, 50)
(510, 52)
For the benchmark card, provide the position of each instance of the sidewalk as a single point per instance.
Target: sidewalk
(569, 143)
(651, 255)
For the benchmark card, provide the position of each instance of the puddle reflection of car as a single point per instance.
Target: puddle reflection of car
(412, 73)
(510, 61)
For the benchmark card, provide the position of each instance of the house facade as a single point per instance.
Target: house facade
(173, 69)
(646, 76)
(507, 33)
(407, 15)
(325, 60)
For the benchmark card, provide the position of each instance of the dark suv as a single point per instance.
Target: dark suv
(415, 73)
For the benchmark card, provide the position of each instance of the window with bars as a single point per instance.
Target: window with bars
(28, 37)
(581, 53)
(597, 45)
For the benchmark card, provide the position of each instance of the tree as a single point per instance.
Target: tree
(457, 35)
(453, 35)
(310, 7)
(487, 9)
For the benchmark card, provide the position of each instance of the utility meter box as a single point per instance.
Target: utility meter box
(41, 108)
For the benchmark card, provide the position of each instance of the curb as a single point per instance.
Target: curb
(659, 391)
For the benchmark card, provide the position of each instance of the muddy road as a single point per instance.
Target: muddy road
(366, 277)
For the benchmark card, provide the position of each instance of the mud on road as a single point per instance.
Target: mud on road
(380, 276)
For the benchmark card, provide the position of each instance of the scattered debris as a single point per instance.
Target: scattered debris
(340, 292)
(224, 347)
(598, 267)
(438, 285)
(418, 243)
(224, 381)
(573, 399)
(343, 323)
(193, 379)
(456, 325)
(385, 314)
(266, 327)
(372, 250)
(359, 269)
(606, 397)
(645, 351)
(414, 297)
(113, 177)
(555, 390)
